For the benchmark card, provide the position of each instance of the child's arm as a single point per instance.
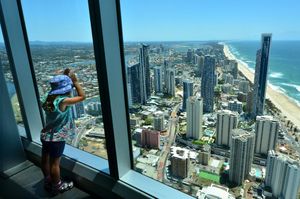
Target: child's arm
(73, 100)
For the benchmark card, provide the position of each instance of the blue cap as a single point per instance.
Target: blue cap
(60, 84)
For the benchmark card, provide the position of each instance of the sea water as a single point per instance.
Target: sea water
(284, 64)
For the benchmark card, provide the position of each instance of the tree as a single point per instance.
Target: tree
(221, 81)
(244, 107)
(148, 121)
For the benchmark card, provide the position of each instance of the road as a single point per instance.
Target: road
(81, 132)
(166, 148)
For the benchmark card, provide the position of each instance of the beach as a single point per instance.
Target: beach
(288, 107)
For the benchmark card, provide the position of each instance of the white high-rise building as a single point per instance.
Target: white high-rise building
(291, 181)
(241, 155)
(282, 175)
(194, 113)
(226, 122)
(266, 131)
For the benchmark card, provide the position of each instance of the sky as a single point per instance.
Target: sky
(167, 20)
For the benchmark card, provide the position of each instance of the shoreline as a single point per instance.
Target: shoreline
(287, 106)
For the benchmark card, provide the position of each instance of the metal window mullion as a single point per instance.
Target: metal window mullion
(20, 66)
(110, 70)
(30, 57)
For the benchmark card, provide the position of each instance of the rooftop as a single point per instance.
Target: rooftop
(214, 192)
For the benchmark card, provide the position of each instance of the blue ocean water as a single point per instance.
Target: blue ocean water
(284, 64)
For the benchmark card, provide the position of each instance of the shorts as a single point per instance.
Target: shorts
(54, 149)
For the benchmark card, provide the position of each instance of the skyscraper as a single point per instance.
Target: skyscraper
(226, 122)
(266, 131)
(282, 175)
(260, 79)
(204, 154)
(241, 155)
(189, 55)
(200, 64)
(234, 68)
(144, 74)
(207, 84)
(187, 92)
(77, 109)
(134, 81)
(291, 181)
(228, 78)
(194, 117)
(165, 67)
(158, 80)
(148, 138)
(179, 162)
(249, 103)
(171, 81)
(235, 105)
(158, 122)
(244, 86)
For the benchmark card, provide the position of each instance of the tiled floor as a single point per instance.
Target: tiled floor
(28, 184)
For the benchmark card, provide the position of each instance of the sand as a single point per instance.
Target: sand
(288, 107)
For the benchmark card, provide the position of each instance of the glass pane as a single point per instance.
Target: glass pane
(5, 66)
(60, 37)
(209, 93)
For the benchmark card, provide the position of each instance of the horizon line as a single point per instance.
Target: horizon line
(153, 41)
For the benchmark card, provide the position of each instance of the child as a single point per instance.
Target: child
(59, 128)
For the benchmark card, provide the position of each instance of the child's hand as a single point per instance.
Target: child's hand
(73, 77)
(67, 71)
(71, 74)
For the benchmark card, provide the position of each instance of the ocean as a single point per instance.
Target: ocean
(284, 64)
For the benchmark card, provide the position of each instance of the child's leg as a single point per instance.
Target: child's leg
(58, 185)
(46, 164)
(57, 149)
(55, 170)
(45, 158)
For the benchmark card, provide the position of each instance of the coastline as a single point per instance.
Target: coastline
(288, 107)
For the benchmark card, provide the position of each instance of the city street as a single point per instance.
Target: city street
(166, 149)
(82, 131)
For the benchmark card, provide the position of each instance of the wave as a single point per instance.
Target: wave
(285, 92)
(238, 57)
(276, 75)
(297, 87)
(277, 88)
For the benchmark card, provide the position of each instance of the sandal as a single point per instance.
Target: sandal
(61, 187)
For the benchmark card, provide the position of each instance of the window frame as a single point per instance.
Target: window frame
(107, 29)
(13, 35)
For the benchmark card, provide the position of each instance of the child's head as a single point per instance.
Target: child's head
(60, 85)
